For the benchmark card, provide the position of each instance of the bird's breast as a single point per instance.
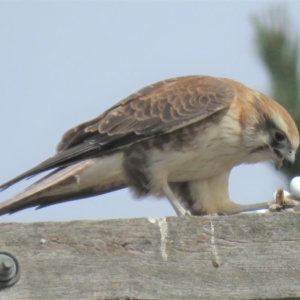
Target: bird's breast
(200, 152)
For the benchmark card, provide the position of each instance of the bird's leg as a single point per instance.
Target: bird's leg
(179, 209)
(280, 202)
(272, 205)
(247, 208)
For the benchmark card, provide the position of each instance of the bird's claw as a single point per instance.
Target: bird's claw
(275, 207)
(282, 202)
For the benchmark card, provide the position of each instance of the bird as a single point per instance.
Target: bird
(178, 138)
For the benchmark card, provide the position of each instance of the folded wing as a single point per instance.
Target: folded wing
(154, 110)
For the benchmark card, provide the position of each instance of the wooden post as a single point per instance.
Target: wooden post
(251, 256)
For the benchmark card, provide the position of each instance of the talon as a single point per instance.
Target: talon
(275, 207)
(283, 200)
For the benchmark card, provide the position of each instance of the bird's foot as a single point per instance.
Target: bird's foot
(283, 201)
(181, 211)
(187, 213)
(291, 207)
(221, 214)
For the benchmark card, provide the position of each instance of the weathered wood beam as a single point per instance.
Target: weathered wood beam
(250, 256)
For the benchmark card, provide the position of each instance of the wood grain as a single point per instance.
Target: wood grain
(250, 256)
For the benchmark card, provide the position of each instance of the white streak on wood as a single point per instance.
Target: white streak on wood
(163, 227)
(213, 242)
(93, 261)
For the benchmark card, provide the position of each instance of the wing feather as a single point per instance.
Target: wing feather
(156, 109)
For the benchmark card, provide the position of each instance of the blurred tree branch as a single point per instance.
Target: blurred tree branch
(278, 48)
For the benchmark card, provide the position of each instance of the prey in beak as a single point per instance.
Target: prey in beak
(284, 157)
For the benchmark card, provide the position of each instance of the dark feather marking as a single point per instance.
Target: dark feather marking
(155, 107)
(52, 200)
(182, 191)
(60, 159)
(89, 149)
(267, 125)
(105, 134)
(136, 168)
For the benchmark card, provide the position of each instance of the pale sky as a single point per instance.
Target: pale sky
(64, 62)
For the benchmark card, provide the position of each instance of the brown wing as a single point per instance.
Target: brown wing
(159, 108)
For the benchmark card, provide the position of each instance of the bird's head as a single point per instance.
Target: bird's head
(271, 133)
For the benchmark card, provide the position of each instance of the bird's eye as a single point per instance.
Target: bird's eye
(279, 137)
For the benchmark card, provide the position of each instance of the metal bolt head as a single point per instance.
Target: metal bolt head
(9, 270)
(7, 264)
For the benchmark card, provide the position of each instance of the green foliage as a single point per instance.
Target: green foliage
(278, 48)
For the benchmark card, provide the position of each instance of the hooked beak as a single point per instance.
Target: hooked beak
(283, 154)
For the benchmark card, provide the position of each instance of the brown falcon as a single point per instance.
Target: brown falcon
(177, 138)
